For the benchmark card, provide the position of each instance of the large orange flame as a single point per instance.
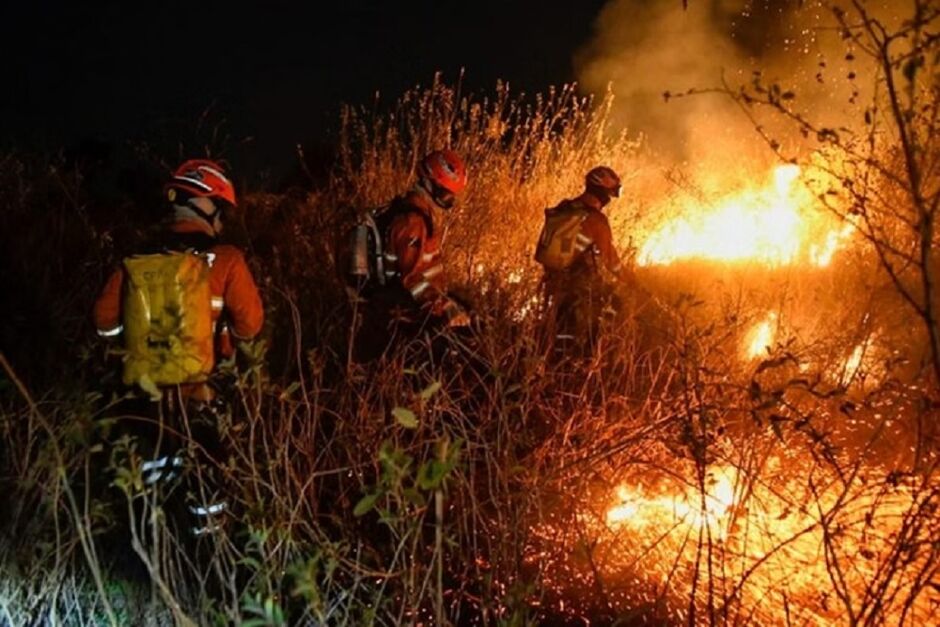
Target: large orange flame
(775, 225)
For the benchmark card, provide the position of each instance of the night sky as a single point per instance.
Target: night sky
(276, 71)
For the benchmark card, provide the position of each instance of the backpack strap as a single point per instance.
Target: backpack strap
(398, 207)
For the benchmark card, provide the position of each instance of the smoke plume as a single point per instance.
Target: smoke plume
(644, 48)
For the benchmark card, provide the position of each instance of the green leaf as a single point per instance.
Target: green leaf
(414, 497)
(430, 391)
(365, 504)
(289, 390)
(430, 475)
(405, 417)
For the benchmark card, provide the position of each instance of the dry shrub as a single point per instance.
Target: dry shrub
(469, 477)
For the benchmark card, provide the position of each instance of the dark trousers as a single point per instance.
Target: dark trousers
(577, 307)
(181, 451)
(384, 319)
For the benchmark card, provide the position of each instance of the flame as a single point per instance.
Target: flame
(854, 360)
(862, 363)
(770, 526)
(772, 225)
(761, 337)
(687, 507)
(820, 255)
(767, 530)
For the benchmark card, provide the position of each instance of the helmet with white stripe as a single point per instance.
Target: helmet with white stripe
(604, 180)
(201, 178)
(443, 174)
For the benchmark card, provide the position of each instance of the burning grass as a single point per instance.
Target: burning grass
(740, 449)
(776, 224)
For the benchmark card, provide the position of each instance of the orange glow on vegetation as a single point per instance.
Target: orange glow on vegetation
(861, 364)
(769, 530)
(775, 224)
(774, 533)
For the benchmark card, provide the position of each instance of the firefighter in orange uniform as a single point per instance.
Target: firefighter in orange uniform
(411, 230)
(577, 251)
(199, 194)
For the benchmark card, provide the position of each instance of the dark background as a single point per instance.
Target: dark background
(270, 75)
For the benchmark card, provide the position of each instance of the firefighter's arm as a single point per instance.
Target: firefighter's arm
(422, 272)
(597, 229)
(107, 312)
(421, 278)
(242, 300)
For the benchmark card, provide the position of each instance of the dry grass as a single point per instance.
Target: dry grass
(493, 507)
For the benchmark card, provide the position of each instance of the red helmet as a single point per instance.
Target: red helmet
(201, 177)
(444, 169)
(605, 179)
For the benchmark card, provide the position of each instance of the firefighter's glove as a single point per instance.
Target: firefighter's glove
(460, 319)
(452, 312)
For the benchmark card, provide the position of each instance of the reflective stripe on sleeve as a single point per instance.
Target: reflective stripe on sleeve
(218, 302)
(111, 332)
(419, 288)
(433, 271)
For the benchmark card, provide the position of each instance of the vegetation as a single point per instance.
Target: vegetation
(669, 477)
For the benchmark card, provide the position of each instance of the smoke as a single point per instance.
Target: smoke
(644, 48)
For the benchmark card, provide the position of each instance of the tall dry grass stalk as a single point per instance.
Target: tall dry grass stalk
(471, 477)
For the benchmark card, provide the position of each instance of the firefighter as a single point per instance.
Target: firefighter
(581, 263)
(179, 303)
(411, 230)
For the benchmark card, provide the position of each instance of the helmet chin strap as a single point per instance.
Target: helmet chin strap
(193, 210)
(427, 187)
(602, 195)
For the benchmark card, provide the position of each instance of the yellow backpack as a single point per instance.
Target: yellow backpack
(168, 319)
(556, 249)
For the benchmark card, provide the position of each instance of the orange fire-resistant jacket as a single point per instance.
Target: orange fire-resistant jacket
(230, 281)
(415, 249)
(595, 240)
